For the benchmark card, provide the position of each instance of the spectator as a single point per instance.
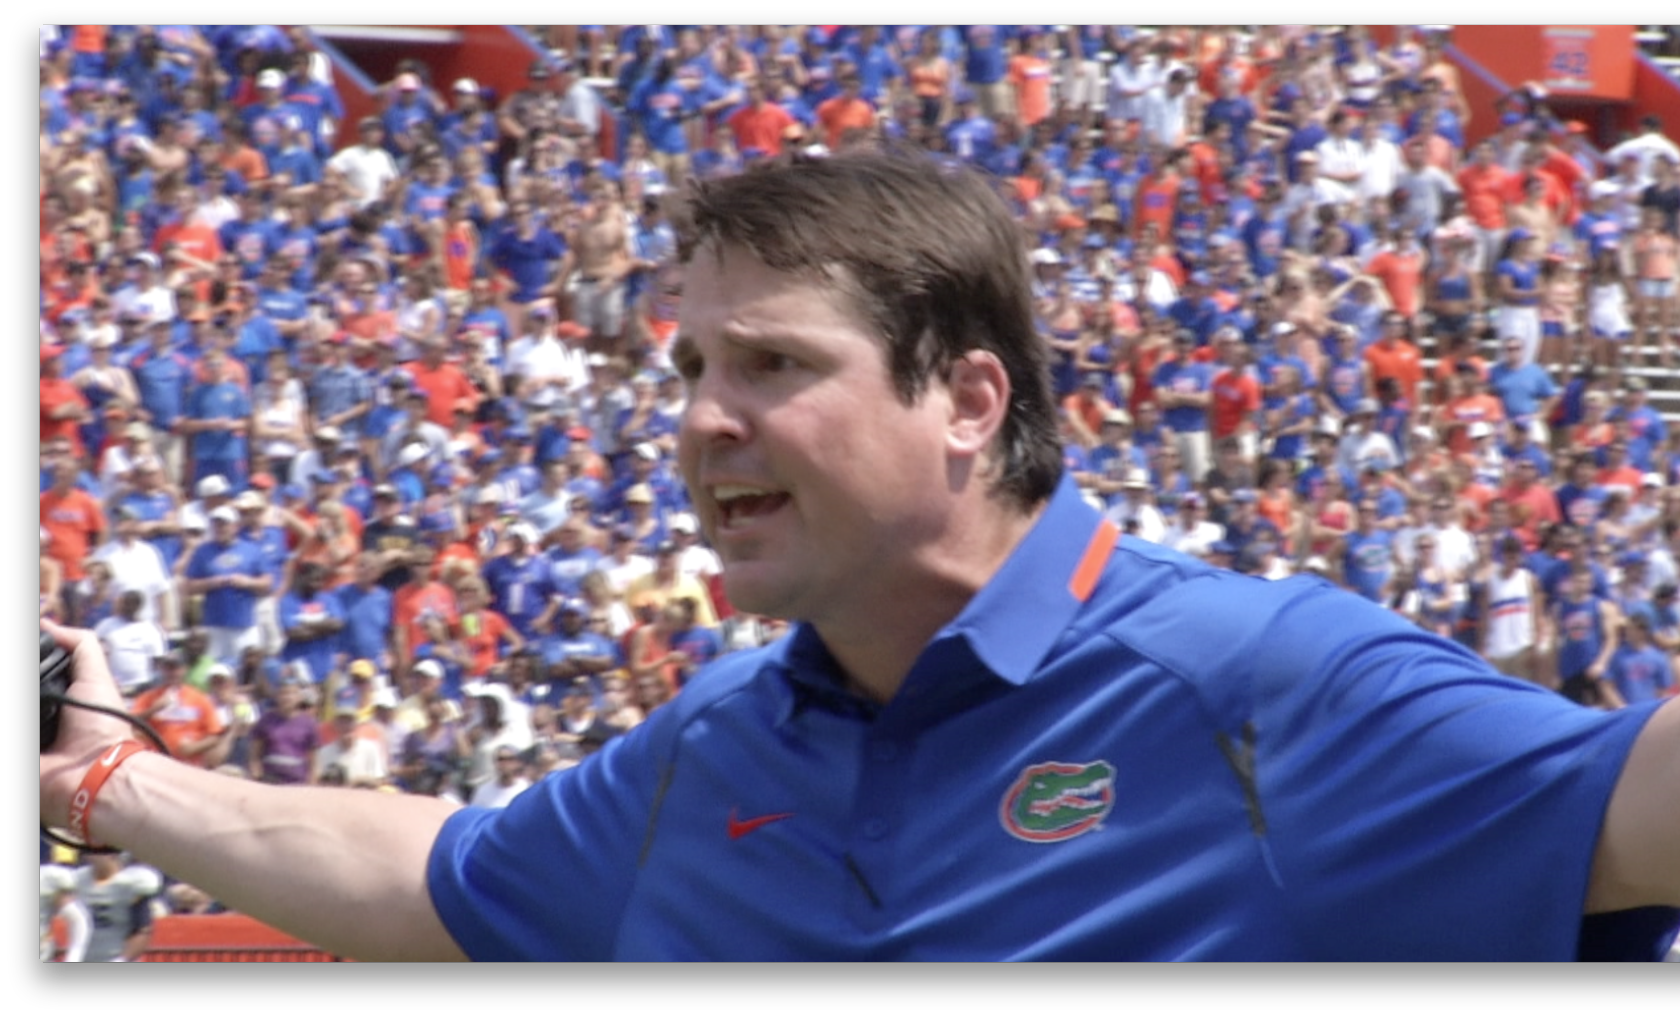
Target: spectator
(286, 738)
(184, 717)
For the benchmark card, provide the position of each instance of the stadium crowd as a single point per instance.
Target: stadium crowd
(356, 439)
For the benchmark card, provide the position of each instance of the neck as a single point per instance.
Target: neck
(876, 653)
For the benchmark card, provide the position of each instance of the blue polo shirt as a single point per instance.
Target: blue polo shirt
(218, 401)
(1184, 763)
(319, 652)
(227, 607)
(367, 621)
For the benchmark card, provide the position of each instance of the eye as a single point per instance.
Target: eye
(768, 362)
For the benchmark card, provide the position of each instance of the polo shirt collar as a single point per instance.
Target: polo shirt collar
(1002, 635)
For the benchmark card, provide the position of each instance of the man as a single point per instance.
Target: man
(131, 643)
(1514, 617)
(229, 572)
(136, 565)
(73, 523)
(118, 897)
(366, 167)
(595, 270)
(311, 621)
(509, 781)
(367, 611)
(1110, 721)
(358, 761)
(217, 419)
(184, 717)
(576, 653)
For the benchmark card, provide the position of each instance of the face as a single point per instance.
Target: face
(812, 480)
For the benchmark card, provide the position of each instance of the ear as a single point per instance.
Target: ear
(978, 388)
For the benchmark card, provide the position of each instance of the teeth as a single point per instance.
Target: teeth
(729, 492)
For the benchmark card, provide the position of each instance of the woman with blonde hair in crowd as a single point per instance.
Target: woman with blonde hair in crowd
(1609, 328)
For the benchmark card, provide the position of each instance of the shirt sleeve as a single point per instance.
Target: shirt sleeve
(589, 823)
(1420, 804)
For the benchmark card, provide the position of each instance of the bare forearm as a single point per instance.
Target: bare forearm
(318, 863)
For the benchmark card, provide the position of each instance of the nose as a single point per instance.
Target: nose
(712, 414)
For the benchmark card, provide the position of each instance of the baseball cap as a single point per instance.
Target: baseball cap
(647, 450)
(1651, 480)
(429, 668)
(408, 82)
(385, 699)
(683, 522)
(1136, 478)
(1481, 429)
(249, 501)
(329, 433)
(362, 669)
(1117, 416)
(576, 605)
(213, 486)
(225, 514)
(1244, 496)
(412, 453)
(1366, 405)
(463, 86)
(1636, 384)
(639, 493)
(270, 78)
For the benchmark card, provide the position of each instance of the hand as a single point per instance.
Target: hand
(82, 734)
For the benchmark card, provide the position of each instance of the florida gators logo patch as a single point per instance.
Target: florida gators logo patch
(1055, 801)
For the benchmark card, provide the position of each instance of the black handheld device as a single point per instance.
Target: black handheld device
(55, 681)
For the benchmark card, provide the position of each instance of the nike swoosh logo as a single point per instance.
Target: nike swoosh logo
(739, 828)
(110, 757)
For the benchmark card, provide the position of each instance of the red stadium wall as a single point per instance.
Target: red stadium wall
(496, 56)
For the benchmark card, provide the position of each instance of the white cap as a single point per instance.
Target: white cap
(463, 85)
(386, 698)
(1136, 477)
(683, 522)
(1651, 480)
(270, 78)
(1046, 256)
(213, 486)
(429, 668)
(225, 514)
(490, 494)
(1603, 189)
(1481, 429)
(412, 453)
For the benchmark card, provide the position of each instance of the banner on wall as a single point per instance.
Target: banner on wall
(1587, 60)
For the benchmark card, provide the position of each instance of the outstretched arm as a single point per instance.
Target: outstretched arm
(340, 868)
(1638, 858)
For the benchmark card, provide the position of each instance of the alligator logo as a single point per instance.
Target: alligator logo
(1054, 801)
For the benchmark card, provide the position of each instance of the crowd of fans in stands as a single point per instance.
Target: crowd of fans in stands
(356, 438)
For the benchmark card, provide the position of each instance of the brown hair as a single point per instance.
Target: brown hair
(933, 260)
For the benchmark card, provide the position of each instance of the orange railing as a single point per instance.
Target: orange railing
(226, 938)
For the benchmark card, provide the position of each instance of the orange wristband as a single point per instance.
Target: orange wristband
(82, 804)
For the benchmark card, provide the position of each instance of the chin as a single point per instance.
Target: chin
(754, 588)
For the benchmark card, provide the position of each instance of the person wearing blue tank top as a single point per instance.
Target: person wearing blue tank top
(1588, 637)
